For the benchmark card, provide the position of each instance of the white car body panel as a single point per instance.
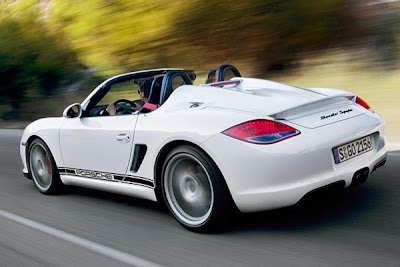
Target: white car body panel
(48, 130)
(160, 127)
(95, 140)
(259, 177)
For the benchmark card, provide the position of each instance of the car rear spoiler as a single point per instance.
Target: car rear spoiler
(311, 107)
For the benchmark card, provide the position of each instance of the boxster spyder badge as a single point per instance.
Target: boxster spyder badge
(336, 113)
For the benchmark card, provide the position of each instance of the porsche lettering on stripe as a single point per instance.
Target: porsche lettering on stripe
(93, 174)
(107, 176)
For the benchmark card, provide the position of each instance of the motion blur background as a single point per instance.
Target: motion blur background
(54, 52)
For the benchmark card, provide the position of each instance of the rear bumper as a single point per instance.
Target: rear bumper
(289, 195)
(378, 165)
(262, 177)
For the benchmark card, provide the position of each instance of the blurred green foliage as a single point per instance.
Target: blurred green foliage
(115, 36)
(121, 35)
(268, 34)
(46, 43)
(30, 56)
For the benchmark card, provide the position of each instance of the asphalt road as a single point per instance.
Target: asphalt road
(356, 227)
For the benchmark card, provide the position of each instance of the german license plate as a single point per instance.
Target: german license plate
(352, 149)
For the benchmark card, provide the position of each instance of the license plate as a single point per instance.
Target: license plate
(352, 149)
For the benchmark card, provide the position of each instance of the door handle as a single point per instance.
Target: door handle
(123, 137)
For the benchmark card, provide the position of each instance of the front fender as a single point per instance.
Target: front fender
(48, 130)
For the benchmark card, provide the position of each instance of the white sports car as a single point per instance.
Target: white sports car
(207, 150)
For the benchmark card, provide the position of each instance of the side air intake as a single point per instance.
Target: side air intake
(138, 156)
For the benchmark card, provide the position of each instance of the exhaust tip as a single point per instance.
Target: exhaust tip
(360, 176)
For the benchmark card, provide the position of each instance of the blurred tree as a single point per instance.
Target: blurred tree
(30, 57)
(41, 40)
(122, 35)
(271, 33)
(114, 36)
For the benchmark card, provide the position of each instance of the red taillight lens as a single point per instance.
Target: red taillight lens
(363, 103)
(261, 131)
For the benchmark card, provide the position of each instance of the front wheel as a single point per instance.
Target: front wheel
(43, 168)
(194, 190)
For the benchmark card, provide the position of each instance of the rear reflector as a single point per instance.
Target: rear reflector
(261, 132)
(362, 103)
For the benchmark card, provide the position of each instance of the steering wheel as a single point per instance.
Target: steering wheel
(123, 110)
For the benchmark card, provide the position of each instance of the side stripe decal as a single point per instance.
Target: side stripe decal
(112, 177)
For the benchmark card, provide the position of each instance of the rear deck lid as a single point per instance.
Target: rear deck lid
(322, 112)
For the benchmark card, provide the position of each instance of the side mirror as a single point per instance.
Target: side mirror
(73, 111)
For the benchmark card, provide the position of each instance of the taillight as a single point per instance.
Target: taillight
(261, 131)
(362, 103)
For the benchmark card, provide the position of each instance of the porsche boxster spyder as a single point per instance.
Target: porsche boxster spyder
(206, 150)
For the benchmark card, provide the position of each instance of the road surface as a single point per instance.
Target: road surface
(356, 227)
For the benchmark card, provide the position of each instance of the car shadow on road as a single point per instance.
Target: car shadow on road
(118, 200)
(375, 202)
(331, 207)
(324, 208)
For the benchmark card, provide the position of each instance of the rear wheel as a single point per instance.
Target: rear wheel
(194, 190)
(43, 168)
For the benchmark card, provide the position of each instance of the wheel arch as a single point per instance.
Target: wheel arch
(28, 144)
(161, 158)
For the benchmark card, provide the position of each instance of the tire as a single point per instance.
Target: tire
(195, 191)
(43, 168)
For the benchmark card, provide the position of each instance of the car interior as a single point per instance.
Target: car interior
(123, 91)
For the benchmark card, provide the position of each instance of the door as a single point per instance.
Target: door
(98, 144)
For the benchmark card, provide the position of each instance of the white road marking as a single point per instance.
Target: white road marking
(107, 251)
